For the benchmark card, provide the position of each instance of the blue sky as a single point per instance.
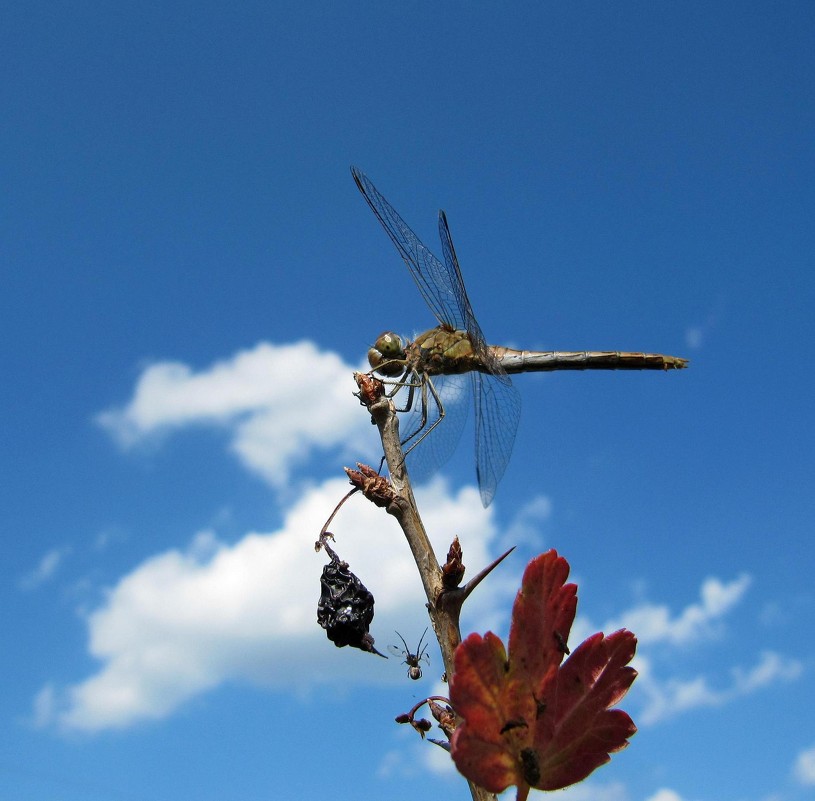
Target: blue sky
(189, 278)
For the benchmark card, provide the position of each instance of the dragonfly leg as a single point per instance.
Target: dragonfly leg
(411, 387)
(427, 384)
(422, 422)
(398, 384)
(391, 368)
(413, 380)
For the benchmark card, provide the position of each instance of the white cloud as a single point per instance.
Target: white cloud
(694, 336)
(415, 756)
(771, 667)
(393, 763)
(435, 759)
(595, 791)
(700, 621)
(276, 401)
(526, 528)
(44, 702)
(188, 620)
(45, 570)
(804, 769)
(665, 699)
(653, 623)
(108, 537)
(664, 794)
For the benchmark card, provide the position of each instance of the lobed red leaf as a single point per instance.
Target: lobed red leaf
(527, 720)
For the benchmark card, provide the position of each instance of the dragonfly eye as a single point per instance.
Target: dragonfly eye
(388, 354)
(390, 345)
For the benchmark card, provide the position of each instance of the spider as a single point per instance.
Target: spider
(411, 659)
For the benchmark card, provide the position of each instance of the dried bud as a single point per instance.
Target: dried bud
(445, 716)
(371, 389)
(453, 569)
(374, 487)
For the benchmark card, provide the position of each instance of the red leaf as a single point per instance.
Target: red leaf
(527, 720)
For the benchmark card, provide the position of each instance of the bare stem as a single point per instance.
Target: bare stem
(443, 617)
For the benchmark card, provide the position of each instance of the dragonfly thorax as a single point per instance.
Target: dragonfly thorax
(387, 356)
(442, 350)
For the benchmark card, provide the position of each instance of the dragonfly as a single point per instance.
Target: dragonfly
(435, 367)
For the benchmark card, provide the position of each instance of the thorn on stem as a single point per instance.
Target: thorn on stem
(452, 599)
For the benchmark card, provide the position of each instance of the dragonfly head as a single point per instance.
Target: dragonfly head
(387, 356)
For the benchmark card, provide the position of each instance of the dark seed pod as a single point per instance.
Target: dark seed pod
(346, 608)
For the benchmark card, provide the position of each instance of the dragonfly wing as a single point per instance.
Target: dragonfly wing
(433, 451)
(497, 412)
(470, 323)
(497, 402)
(457, 285)
(442, 290)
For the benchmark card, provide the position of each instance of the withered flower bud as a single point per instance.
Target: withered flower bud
(453, 569)
(374, 487)
(445, 716)
(346, 608)
(371, 389)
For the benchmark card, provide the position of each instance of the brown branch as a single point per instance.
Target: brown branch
(443, 617)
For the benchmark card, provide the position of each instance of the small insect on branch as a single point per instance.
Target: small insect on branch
(412, 659)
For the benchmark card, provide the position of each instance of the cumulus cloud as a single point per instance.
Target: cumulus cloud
(804, 769)
(667, 698)
(189, 619)
(277, 402)
(659, 631)
(653, 623)
(186, 621)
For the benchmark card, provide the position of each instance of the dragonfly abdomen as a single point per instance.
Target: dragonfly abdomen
(523, 361)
